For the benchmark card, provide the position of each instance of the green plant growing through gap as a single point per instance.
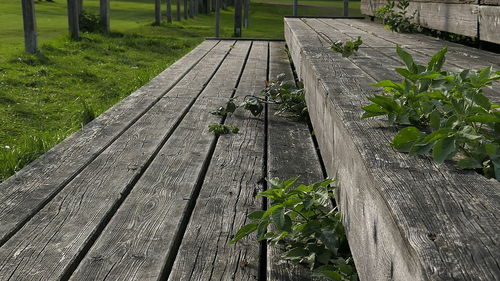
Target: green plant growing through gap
(289, 98)
(347, 48)
(301, 218)
(395, 17)
(443, 112)
(222, 129)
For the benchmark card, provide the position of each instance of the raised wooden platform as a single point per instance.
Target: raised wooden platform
(144, 192)
(406, 217)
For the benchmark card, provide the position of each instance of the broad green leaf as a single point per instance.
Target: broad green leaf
(407, 59)
(255, 215)
(481, 100)
(407, 74)
(244, 231)
(278, 217)
(405, 138)
(444, 149)
(346, 269)
(271, 210)
(389, 84)
(327, 271)
(435, 120)
(437, 60)
(330, 240)
(469, 163)
(483, 118)
(296, 253)
(385, 102)
(288, 183)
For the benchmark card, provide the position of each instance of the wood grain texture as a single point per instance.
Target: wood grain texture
(489, 21)
(47, 246)
(406, 217)
(138, 241)
(490, 2)
(233, 178)
(28, 190)
(291, 153)
(379, 59)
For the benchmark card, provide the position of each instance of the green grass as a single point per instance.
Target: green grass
(46, 97)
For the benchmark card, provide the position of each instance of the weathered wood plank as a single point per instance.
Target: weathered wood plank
(46, 247)
(489, 22)
(23, 194)
(421, 47)
(407, 218)
(139, 240)
(291, 153)
(234, 176)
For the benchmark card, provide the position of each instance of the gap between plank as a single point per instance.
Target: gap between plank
(179, 236)
(109, 215)
(263, 244)
(99, 152)
(309, 124)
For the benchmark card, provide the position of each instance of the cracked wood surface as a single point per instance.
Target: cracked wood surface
(406, 217)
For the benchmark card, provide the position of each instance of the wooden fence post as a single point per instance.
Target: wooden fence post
(295, 8)
(104, 14)
(237, 18)
(29, 22)
(246, 13)
(169, 11)
(178, 10)
(185, 9)
(191, 8)
(157, 12)
(217, 18)
(73, 19)
(346, 8)
(80, 7)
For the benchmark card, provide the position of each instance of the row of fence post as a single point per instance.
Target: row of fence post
(191, 9)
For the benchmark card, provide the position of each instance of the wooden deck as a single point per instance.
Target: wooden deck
(144, 192)
(406, 217)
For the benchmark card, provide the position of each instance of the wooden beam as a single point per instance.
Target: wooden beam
(73, 19)
(29, 22)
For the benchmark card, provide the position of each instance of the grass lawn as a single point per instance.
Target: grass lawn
(46, 97)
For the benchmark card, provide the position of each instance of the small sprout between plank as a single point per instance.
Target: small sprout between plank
(222, 129)
(289, 99)
(347, 48)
